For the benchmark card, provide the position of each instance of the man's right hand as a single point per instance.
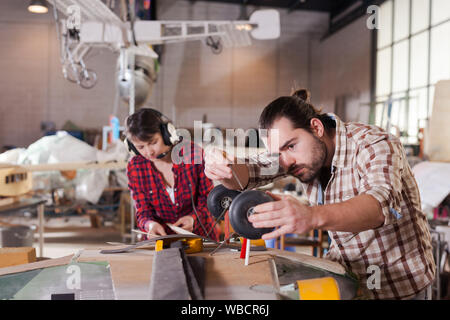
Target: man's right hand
(218, 167)
(154, 229)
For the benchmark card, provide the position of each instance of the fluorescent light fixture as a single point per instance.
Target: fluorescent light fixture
(38, 6)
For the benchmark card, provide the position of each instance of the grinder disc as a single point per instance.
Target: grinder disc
(219, 199)
(242, 208)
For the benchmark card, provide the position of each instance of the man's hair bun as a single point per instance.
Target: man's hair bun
(302, 94)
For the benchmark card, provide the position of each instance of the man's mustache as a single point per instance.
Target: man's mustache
(293, 168)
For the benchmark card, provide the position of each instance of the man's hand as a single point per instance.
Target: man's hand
(218, 167)
(154, 229)
(286, 212)
(186, 222)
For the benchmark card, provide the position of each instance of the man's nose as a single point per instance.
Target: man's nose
(286, 160)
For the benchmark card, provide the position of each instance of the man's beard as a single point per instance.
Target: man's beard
(319, 154)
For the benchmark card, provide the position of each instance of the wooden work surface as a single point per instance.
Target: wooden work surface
(227, 278)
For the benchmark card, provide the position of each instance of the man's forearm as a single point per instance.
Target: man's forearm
(355, 215)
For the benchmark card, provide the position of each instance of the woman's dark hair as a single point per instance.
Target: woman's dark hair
(297, 109)
(143, 124)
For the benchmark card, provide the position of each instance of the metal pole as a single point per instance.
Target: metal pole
(40, 209)
(131, 111)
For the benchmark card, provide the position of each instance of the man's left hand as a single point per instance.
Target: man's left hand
(186, 222)
(286, 213)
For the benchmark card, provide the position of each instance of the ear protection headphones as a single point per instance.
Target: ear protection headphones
(168, 133)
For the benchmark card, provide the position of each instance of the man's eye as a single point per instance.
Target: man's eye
(291, 147)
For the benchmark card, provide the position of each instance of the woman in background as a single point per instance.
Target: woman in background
(163, 191)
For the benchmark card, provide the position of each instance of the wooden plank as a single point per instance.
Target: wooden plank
(16, 256)
(36, 265)
(14, 182)
(437, 147)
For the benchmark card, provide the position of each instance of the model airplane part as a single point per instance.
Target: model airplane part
(14, 181)
(91, 23)
(143, 74)
(240, 206)
(262, 25)
(17, 180)
(219, 200)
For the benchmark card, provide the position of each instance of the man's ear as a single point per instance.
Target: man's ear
(317, 127)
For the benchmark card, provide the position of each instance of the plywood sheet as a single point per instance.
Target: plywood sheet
(437, 147)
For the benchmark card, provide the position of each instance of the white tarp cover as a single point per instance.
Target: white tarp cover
(60, 148)
(433, 180)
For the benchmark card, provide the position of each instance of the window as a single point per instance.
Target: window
(440, 53)
(420, 20)
(401, 18)
(400, 66)
(413, 50)
(440, 12)
(384, 72)
(419, 59)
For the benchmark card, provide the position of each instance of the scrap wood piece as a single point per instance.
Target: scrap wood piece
(36, 265)
(173, 277)
(321, 263)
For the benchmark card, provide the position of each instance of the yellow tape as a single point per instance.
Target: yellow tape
(256, 242)
(318, 289)
(159, 245)
(193, 245)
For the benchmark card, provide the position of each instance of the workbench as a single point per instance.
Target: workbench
(29, 203)
(227, 278)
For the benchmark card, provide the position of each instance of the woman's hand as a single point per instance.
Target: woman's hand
(154, 229)
(186, 222)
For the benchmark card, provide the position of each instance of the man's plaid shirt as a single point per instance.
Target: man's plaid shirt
(367, 160)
